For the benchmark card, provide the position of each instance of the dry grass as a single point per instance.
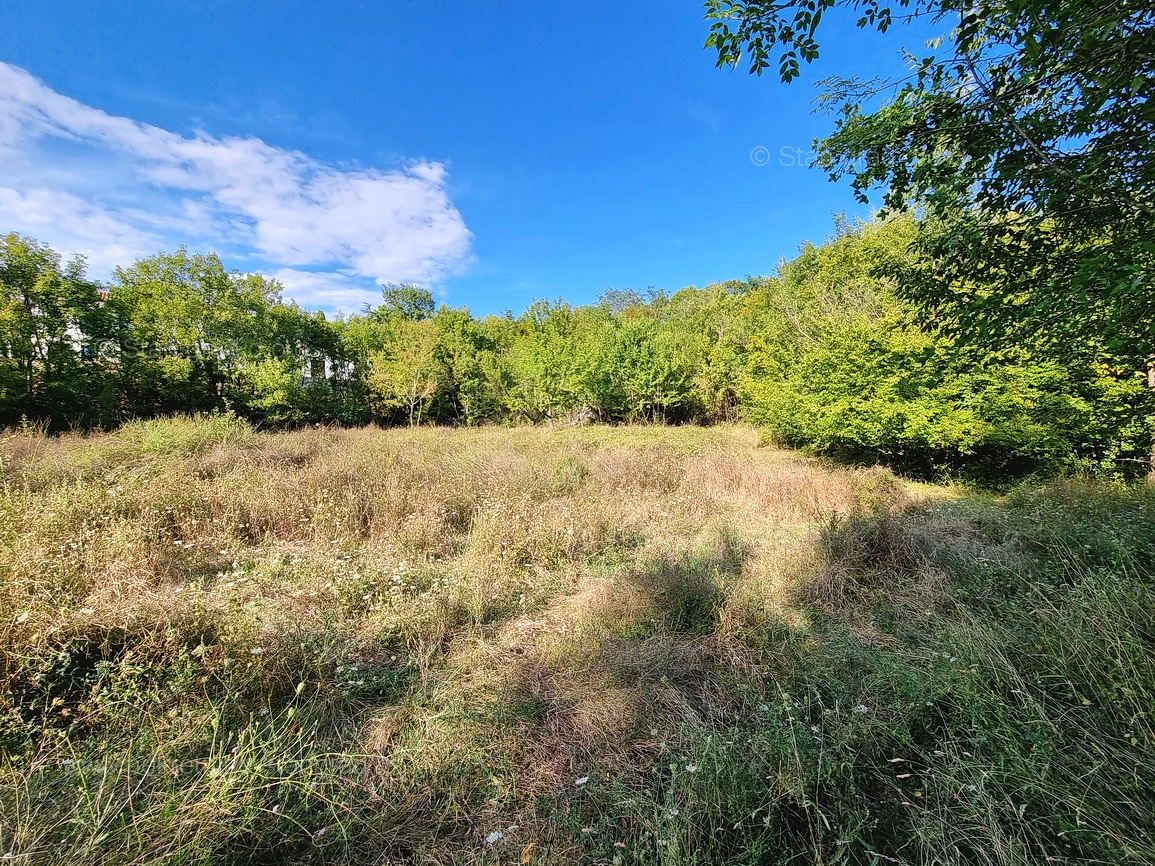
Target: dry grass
(544, 601)
(470, 646)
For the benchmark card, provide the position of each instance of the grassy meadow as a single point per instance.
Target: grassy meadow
(626, 645)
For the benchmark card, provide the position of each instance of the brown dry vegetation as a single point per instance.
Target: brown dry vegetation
(501, 645)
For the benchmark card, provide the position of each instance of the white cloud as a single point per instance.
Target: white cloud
(91, 231)
(334, 291)
(115, 189)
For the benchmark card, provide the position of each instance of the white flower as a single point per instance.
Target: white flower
(862, 708)
(579, 782)
(494, 837)
(322, 831)
(257, 650)
(691, 768)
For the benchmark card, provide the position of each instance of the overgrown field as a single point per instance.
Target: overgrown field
(598, 645)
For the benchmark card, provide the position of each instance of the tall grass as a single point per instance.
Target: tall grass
(625, 645)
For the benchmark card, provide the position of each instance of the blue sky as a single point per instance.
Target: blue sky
(498, 152)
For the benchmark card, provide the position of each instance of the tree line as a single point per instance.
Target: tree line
(824, 354)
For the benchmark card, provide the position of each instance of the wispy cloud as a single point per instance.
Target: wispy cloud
(114, 189)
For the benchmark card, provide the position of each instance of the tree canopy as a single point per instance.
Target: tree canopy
(825, 354)
(1024, 134)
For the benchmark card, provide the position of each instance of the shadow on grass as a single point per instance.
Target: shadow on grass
(972, 684)
(966, 682)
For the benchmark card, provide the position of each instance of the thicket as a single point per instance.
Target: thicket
(823, 354)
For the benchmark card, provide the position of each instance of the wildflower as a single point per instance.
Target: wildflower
(277, 809)
(87, 611)
(691, 768)
(322, 831)
(494, 837)
(579, 782)
(257, 650)
(862, 708)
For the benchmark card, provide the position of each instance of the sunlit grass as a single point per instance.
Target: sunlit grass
(604, 645)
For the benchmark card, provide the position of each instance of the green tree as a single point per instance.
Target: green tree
(410, 371)
(186, 327)
(301, 374)
(469, 351)
(53, 334)
(842, 366)
(1025, 135)
(713, 328)
(406, 301)
(541, 366)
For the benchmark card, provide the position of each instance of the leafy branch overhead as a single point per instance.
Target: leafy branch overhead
(1024, 134)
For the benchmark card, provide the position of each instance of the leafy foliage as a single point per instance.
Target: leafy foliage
(844, 367)
(827, 354)
(1027, 139)
(53, 330)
